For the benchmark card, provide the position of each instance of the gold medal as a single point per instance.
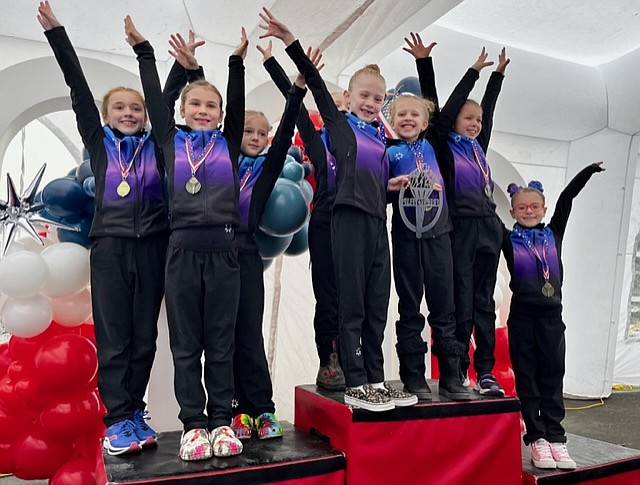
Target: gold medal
(547, 289)
(193, 186)
(123, 189)
(487, 190)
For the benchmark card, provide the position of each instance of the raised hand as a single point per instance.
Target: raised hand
(275, 28)
(266, 51)
(599, 164)
(241, 50)
(416, 48)
(316, 57)
(183, 52)
(46, 17)
(503, 61)
(482, 62)
(133, 36)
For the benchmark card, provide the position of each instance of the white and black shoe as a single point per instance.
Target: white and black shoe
(368, 398)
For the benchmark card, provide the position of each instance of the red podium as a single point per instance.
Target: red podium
(443, 442)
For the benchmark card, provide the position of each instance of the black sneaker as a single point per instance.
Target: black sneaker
(368, 398)
(398, 397)
(488, 386)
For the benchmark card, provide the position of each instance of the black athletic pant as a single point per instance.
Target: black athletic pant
(422, 267)
(127, 284)
(202, 301)
(253, 388)
(476, 243)
(363, 277)
(537, 350)
(325, 320)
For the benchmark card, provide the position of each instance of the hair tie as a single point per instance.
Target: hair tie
(534, 184)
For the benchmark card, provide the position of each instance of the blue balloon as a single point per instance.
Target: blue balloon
(308, 169)
(64, 197)
(81, 237)
(293, 172)
(300, 242)
(84, 171)
(72, 172)
(270, 246)
(296, 153)
(289, 159)
(266, 263)
(89, 186)
(409, 85)
(286, 209)
(307, 191)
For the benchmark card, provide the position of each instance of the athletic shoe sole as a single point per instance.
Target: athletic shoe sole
(351, 401)
(132, 448)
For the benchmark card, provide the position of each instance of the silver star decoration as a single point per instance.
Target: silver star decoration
(22, 213)
(358, 352)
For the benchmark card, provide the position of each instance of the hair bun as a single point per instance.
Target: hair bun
(534, 184)
(512, 189)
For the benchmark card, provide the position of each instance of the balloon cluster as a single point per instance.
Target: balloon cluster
(69, 200)
(50, 411)
(283, 227)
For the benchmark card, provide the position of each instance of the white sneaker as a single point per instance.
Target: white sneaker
(398, 398)
(368, 398)
(195, 445)
(561, 456)
(541, 454)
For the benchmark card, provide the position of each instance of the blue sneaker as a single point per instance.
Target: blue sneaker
(120, 438)
(145, 433)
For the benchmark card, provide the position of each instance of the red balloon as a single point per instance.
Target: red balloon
(75, 472)
(37, 457)
(70, 417)
(88, 330)
(506, 377)
(6, 458)
(502, 347)
(31, 391)
(316, 119)
(13, 424)
(5, 358)
(9, 400)
(66, 362)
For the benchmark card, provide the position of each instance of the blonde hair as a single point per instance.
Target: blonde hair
(368, 70)
(427, 106)
(104, 111)
(201, 83)
(251, 113)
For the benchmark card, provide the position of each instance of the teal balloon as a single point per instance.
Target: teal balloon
(300, 242)
(296, 153)
(307, 191)
(286, 210)
(289, 159)
(293, 172)
(266, 263)
(81, 237)
(269, 246)
(308, 169)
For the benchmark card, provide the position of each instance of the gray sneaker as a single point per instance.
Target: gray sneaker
(369, 399)
(398, 397)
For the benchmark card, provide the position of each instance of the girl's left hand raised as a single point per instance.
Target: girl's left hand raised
(133, 36)
(241, 50)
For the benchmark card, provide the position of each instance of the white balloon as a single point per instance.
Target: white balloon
(73, 310)
(68, 269)
(31, 244)
(26, 317)
(22, 274)
(15, 247)
(498, 296)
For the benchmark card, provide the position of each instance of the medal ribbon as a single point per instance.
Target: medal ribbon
(246, 176)
(483, 169)
(126, 168)
(203, 156)
(542, 258)
(416, 150)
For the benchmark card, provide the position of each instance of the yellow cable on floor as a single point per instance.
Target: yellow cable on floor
(595, 405)
(623, 387)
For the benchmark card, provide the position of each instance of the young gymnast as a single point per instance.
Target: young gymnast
(202, 270)
(536, 329)
(358, 224)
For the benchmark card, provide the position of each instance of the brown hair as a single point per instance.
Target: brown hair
(117, 89)
(514, 190)
(369, 69)
(427, 106)
(250, 113)
(201, 83)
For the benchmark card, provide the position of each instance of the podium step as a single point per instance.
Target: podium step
(441, 442)
(297, 458)
(597, 463)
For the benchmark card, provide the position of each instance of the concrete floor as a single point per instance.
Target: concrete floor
(616, 421)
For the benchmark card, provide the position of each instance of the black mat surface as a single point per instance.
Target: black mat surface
(594, 459)
(295, 455)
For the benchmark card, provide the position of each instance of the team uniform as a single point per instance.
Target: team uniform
(130, 232)
(253, 387)
(536, 329)
(325, 321)
(202, 269)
